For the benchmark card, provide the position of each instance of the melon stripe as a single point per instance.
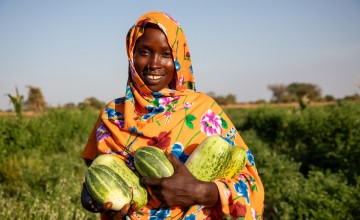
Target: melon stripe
(148, 165)
(155, 159)
(152, 162)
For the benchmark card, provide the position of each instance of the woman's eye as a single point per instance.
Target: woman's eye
(167, 54)
(143, 52)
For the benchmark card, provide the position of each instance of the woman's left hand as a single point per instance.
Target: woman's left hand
(182, 188)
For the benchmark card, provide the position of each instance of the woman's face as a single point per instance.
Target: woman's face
(153, 59)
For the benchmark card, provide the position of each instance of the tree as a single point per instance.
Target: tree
(91, 102)
(36, 101)
(329, 98)
(300, 90)
(17, 102)
(221, 100)
(280, 93)
(295, 92)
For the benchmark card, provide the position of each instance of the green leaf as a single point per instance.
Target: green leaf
(190, 117)
(224, 123)
(236, 198)
(254, 188)
(189, 85)
(156, 102)
(189, 123)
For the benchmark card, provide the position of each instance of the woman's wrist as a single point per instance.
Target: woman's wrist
(208, 194)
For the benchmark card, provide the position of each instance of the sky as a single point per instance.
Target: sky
(75, 49)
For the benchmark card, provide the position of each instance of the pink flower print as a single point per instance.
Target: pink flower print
(123, 153)
(110, 151)
(253, 212)
(165, 101)
(211, 123)
(181, 80)
(188, 104)
(176, 98)
(167, 116)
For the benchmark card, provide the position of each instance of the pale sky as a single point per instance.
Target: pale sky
(75, 49)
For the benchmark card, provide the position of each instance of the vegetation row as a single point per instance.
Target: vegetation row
(307, 159)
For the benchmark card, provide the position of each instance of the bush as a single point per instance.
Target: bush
(41, 170)
(50, 131)
(291, 195)
(325, 138)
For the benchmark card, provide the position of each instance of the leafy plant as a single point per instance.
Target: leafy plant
(17, 102)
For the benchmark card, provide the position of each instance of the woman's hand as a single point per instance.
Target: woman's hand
(92, 205)
(118, 215)
(182, 188)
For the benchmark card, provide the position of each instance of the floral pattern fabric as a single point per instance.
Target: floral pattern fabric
(175, 119)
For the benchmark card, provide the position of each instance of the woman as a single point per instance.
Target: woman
(161, 108)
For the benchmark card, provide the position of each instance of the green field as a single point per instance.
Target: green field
(308, 161)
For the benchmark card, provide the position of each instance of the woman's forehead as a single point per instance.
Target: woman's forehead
(151, 37)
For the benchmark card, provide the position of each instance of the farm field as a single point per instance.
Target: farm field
(308, 161)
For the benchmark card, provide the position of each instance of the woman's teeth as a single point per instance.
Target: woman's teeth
(153, 77)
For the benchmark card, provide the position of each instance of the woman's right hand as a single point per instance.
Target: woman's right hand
(92, 205)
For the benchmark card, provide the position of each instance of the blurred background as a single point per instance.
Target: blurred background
(296, 64)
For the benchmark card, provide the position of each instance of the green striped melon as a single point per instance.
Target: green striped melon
(152, 162)
(236, 163)
(105, 185)
(210, 159)
(132, 180)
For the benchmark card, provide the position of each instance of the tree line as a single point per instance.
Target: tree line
(302, 93)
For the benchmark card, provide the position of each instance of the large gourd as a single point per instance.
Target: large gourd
(152, 162)
(132, 180)
(210, 159)
(105, 185)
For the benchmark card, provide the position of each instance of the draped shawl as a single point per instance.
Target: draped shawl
(174, 119)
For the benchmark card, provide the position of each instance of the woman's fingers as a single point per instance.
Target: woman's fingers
(150, 181)
(133, 207)
(105, 207)
(115, 215)
(124, 210)
(173, 160)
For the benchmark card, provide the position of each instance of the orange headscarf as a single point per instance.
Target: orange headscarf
(174, 119)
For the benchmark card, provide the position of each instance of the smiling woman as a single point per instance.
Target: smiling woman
(162, 109)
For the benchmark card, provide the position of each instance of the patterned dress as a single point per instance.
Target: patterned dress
(175, 119)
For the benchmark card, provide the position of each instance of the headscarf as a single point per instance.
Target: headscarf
(175, 119)
(140, 99)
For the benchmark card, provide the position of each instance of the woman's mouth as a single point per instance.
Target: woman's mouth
(152, 77)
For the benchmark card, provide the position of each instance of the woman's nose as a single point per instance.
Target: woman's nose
(154, 62)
